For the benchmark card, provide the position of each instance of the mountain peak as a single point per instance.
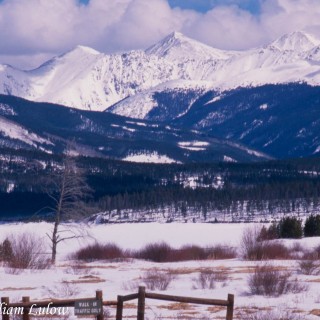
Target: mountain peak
(176, 35)
(77, 54)
(174, 39)
(176, 46)
(296, 41)
(82, 50)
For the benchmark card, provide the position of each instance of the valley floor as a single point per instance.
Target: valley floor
(70, 279)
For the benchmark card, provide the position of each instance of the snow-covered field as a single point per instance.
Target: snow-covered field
(69, 279)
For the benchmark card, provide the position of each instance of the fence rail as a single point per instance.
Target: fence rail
(142, 295)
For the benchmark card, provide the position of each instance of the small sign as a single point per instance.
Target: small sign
(87, 307)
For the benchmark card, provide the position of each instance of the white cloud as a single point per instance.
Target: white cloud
(141, 23)
(42, 28)
(227, 28)
(283, 16)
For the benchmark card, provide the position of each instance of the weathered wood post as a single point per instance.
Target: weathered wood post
(25, 315)
(119, 308)
(141, 303)
(230, 307)
(99, 296)
(5, 303)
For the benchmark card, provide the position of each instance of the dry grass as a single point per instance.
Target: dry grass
(17, 289)
(215, 309)
(86, 279)
(177, 306)
(315, 312)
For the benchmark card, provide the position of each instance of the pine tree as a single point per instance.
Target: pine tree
(312, 226)
(290, 227)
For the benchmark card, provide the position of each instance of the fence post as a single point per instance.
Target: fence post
(5, 303)
(141, 303)
(119, 308)
(25, 310)
(99, 296)
(230, 307)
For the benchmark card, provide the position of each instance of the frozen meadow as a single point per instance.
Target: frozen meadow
(69, 278)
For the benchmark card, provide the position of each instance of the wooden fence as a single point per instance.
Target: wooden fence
(142, 295)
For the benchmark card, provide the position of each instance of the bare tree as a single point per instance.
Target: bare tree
(67, 190)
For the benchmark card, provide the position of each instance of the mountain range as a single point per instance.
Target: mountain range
(177, 101)
(84, 78)
(51, 128)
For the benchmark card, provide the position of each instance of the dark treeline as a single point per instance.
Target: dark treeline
(287, 185)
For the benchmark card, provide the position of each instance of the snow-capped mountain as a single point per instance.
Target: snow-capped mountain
(86, 79)
(297, 41)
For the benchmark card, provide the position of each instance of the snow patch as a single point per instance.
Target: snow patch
(6, 110)
(264, 106)
(141, 124)
(228, 159)
(193, 145)
(153, 157)
(317, 150)
(215, 99)
(128, 129)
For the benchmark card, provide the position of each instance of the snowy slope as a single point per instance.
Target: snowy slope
(142, 104)
(15, 131)
(86, 79)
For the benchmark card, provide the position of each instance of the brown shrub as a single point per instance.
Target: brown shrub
(156, 252)
(208, 278)
(251, 247)
(157, 280)
(309, 267)
(317, 252)
(254, 248)
(98, 251)
(5, 250)
(162, 252)
(275, 250)
(27, 252)
(188, 252)
(268, 281)
(220, 252)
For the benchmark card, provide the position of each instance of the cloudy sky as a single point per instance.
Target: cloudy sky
(32, 31)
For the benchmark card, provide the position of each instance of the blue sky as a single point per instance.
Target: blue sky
(206, 5)
(32, 31)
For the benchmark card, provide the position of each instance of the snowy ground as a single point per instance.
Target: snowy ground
(69, 279)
